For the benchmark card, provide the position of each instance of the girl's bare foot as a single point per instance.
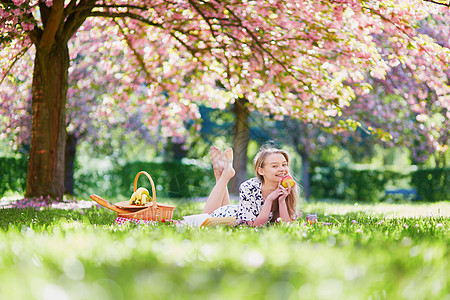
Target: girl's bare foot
(217, 161)
(228, 163)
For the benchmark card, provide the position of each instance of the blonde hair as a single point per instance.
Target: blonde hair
(292, 198)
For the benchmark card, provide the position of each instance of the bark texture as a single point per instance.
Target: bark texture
(306, 186)
(48, 135)
(241, 139)
(69, 170)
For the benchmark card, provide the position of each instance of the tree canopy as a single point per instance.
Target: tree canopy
(306, 59)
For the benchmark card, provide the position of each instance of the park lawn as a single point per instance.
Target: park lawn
(384, 251)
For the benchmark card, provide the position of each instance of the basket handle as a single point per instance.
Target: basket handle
(151, 181)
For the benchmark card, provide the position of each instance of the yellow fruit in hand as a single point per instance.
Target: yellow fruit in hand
(287, 179)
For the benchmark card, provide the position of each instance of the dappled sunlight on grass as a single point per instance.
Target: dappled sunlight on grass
(436, 209)
(353, 252)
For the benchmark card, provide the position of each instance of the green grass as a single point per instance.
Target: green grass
(367, 252)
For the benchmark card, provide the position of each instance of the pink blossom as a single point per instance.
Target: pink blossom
(4, 13)
(18, 2)
(102, 65)
(27, 26)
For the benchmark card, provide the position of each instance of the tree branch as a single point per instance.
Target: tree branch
(55, 18)
(399, 28)
(140, 19)
(439, 3)
(16, 58)
(35, 35)
(124, 15)
(138, 56)
(69, 8)
(121, 6)
(264, 50)
(207, 20)
(75, 17)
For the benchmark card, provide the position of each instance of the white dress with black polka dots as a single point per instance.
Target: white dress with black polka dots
(250, 202)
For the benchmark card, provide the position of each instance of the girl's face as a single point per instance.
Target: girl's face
(274, 168)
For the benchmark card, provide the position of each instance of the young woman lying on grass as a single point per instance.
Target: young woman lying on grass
(262, 199)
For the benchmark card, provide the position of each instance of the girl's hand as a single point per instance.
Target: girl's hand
(274, 195)
(280, 193)
(284, 214)
(284, 191)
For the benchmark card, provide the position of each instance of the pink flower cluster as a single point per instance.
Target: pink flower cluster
(18, 2)
(304, 59)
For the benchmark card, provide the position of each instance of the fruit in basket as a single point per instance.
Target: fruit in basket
(287, 179)
(140, 197)
(133, 198)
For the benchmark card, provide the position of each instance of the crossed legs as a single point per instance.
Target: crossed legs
(223, 171)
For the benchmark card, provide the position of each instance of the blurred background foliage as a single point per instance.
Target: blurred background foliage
(335, 172)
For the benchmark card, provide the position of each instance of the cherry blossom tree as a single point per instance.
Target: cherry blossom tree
(412, 101)
(402, 109)
(306, 59)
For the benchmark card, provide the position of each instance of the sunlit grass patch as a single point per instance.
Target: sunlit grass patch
(350, 254)
(436, 209)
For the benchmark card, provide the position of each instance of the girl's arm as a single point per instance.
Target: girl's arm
(284, 214)
(264, 214)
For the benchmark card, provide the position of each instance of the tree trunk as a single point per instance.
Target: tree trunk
(48, 133)
(305, 175)
(69, 170)
(241, 139)
(177, 150)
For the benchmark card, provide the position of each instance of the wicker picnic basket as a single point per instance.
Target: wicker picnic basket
(155, 211)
